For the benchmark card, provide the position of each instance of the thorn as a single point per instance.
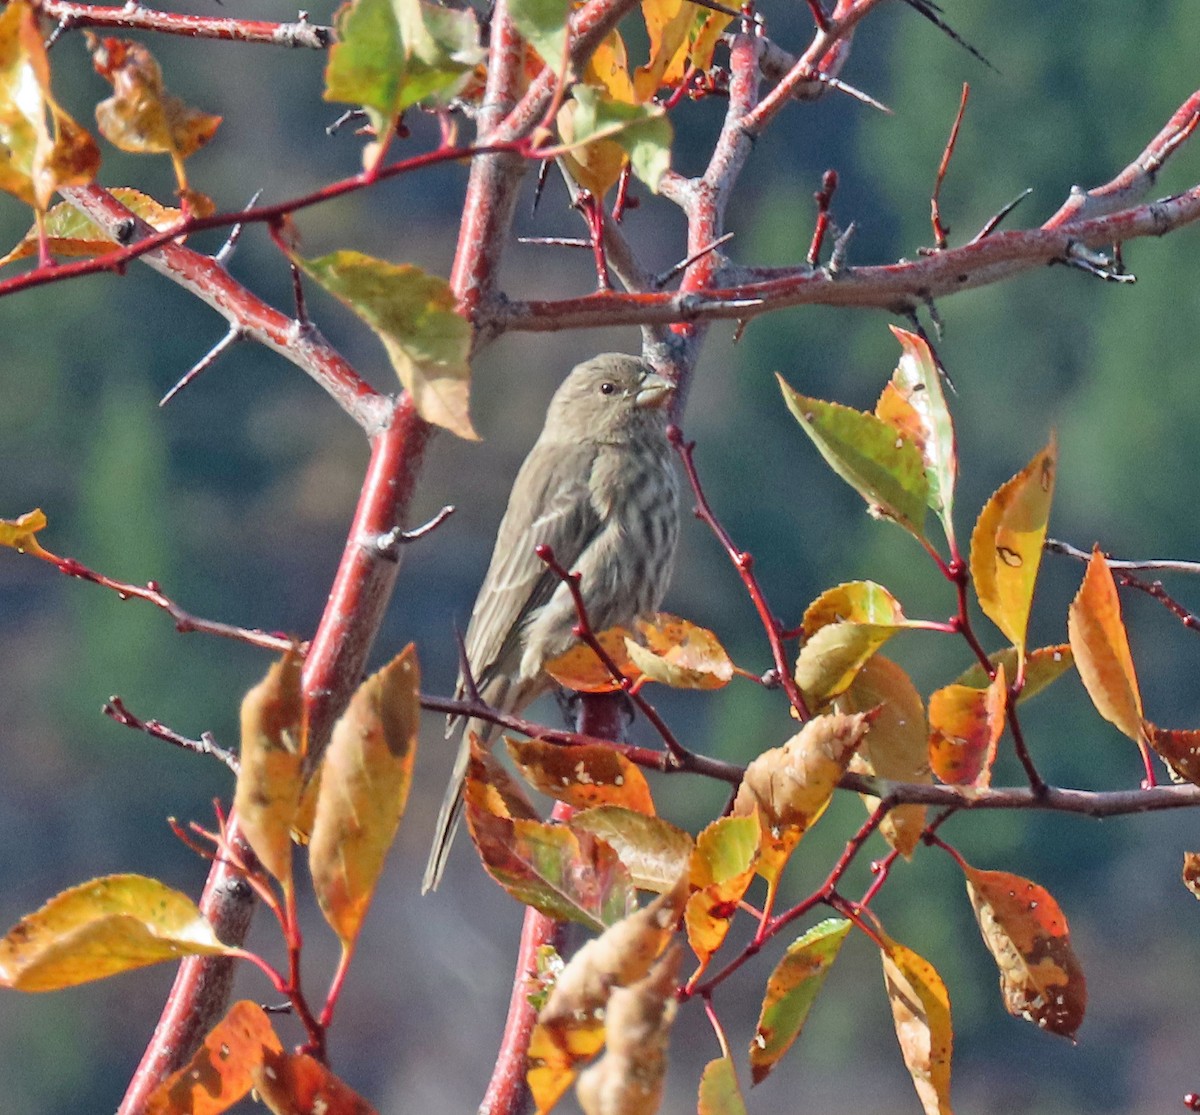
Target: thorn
(350, 116)
(539, 188)
(661, 280)
(837, 258)
(234, 335)
(994, 222)
(225, 254)
(388, 544)
(556, 241)
(930, 11)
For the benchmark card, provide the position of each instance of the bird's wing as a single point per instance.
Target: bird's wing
(555, 509)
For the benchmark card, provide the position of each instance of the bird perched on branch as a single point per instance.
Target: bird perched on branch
(600, 489)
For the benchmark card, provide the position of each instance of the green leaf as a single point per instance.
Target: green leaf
(643, 132)
(913, 402)
(102, 928)
(1042, 666)
(719, 1092)
(791, 992)
(391, 54)
(413, 314)
(885, 467)
(544, 24)
(830, 660)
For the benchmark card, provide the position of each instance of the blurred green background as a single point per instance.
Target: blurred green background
(237, 496)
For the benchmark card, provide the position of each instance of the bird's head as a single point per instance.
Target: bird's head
(609, 398)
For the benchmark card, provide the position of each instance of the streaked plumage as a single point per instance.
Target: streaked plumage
(599, 487)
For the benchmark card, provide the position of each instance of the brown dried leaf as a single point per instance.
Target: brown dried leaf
(629, 1078)
(789, 787)
(582, 775)
(654, 851)
(269, 783)
(1027, 934)
(297, 1084)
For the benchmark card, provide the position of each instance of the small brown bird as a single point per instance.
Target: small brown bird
(600, 489)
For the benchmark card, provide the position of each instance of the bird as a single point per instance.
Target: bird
(599, 487)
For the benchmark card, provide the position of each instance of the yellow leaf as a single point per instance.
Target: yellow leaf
(653, 851)
(20, 534)
(667, 23)
(680, 654)
(365, 779)
(1101, 648)
(896, 747)
(921, 1013)
(720, 872)
(608, 67)
(1006, 546)
(102, 928)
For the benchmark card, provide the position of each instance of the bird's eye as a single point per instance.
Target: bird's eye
(607, 388)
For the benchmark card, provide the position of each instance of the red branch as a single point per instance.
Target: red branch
(136, 17)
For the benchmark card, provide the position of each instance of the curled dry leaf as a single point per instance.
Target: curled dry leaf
(621, 955)
(141, 116)
(223, 1069)
(365, 778)
(1191, 872)
(789, 787)
(654, 852)
(1006, 545)
(102, 928)
(1179, 748)
(582, 775)
(628, 1079)
(1027, 934)
(269, 782)
(791, 992)
(896, 747)
(921, 1014)
(570, 1027)
(721, 871)
(965, 725)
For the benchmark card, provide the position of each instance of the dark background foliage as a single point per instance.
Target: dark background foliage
(237, 496)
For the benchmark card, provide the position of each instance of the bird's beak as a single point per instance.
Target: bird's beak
(654, 391)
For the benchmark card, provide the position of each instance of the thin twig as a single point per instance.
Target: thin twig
(115, 709)
(940, 231)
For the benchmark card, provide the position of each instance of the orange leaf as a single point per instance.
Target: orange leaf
(223, 1069)
(965, 725)
(269, 784)
(608, 67)
(1006, 546)
(721, 871)
(365, 779)
(297, 1084)
(582, 776)
(1101, 647)
(679, 654)
(1191, 872)
(1027, 934)
(580, 667)
(921, 1013)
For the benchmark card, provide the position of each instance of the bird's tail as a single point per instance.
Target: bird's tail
(449, 817)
